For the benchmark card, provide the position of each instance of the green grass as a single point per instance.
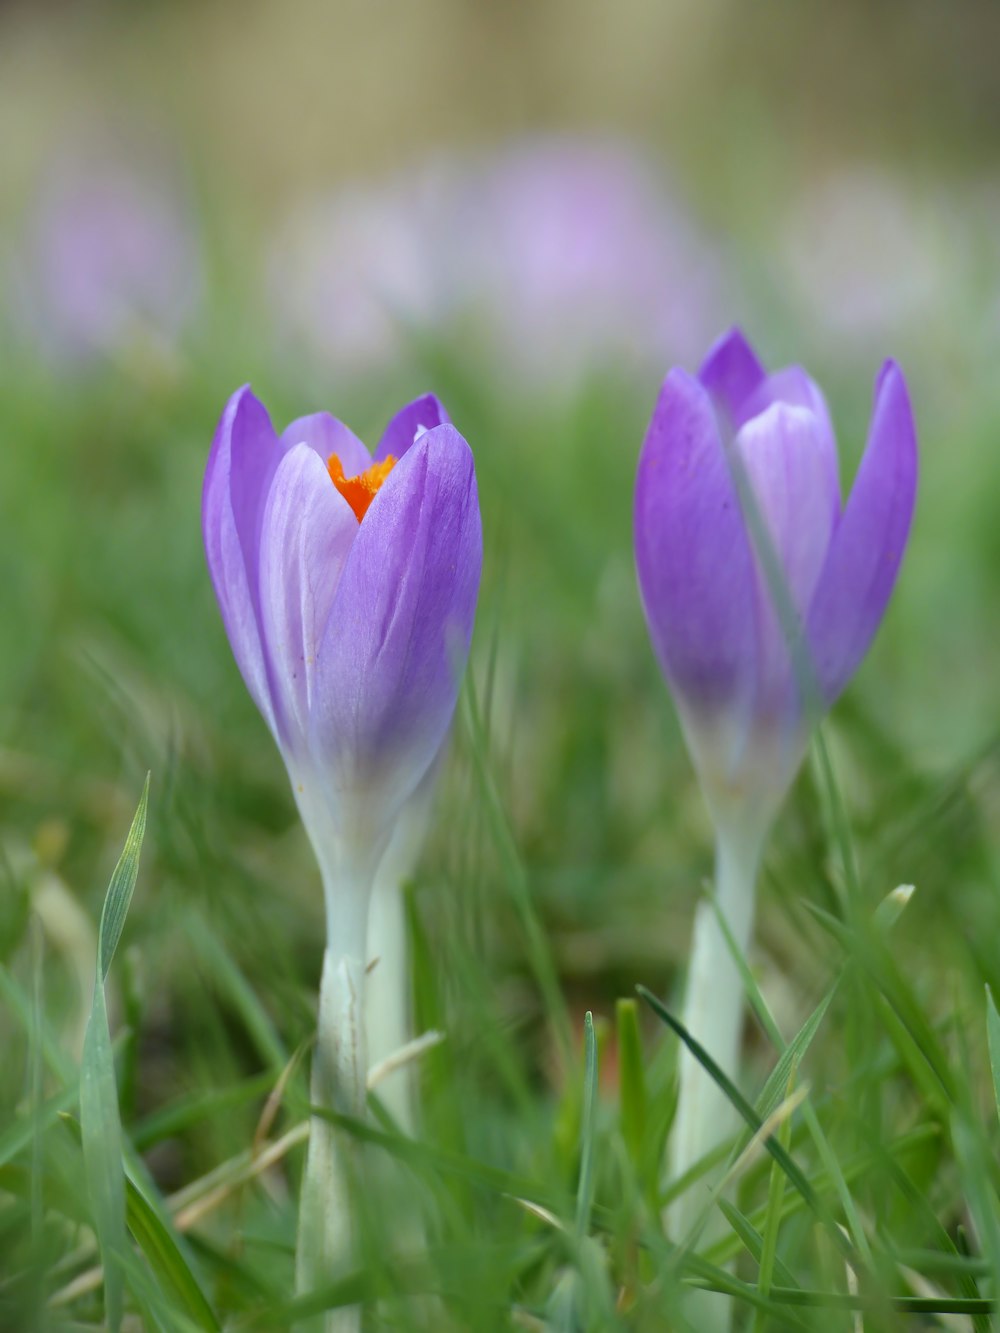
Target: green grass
(568, 850)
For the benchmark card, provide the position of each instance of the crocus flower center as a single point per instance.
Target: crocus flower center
(361, 490)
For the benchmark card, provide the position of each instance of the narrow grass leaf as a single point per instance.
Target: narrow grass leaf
(993, 1041)
(753, 992)
(585, 1190)
(775, 1088)
(753, 1241)
(892, 906)
(122, 886)
(631, 1079)
(772, 1218)
(101, 1129)
(100, 1124)
(755, 1122)
(166, 1260)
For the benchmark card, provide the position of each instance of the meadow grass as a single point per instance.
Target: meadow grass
(567, 853)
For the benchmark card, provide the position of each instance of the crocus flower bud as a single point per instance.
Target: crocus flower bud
(761, 593)
(347, 584)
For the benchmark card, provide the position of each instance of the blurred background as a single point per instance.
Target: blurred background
(534, 209)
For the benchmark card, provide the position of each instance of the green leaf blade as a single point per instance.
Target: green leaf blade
(100, 1120)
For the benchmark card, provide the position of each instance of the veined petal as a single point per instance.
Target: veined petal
(398, 633)
(325, 435)
(235, 584)
(731, 372)
(306, 537)
(783, 452)
(868, 544)
(421, 415)
(693, 556)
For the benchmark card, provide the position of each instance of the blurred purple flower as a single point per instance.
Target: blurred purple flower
(353, 272)
(348, 588)
(582, 254)
(744, 639)
(562, 253)
(110, 256)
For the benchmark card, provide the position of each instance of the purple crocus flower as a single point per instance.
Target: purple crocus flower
(111, 256)
(585, 255)
(761, 592)
(355, 273)
(347, 584)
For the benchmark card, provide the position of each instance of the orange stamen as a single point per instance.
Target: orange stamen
(361, 490)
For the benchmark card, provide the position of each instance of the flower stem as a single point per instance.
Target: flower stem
(387, 996)
(713, 1014)
(387, 988)
(327, 1239)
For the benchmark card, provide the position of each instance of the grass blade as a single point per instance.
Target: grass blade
(585, 1191)
(775, 1088)
(772, 1218)
(739, 1102)
(100, 1124)
(753, 1241)
(166, 1260)
(631, 1080)
(993, 1041)
(119, 895)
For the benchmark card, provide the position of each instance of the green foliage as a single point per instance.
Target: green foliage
(562, 868)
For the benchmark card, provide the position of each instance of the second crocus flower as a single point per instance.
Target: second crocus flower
(347, 584)
(762, 593)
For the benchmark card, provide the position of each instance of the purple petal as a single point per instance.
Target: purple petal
(731, 372)
(398, 634)
(325, 435)
(421, 415)
(307, 534)
(861, 568)
(786, 460)
(794, 386)
(235, 588)
(255, 452)
(694, 560)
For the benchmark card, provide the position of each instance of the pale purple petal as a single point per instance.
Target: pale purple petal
(421, 415)
(694, 560)
(868, 544)
(731, 372)
(236, 591)
(325, 435)
(398, 634)
(784, 454)
(307, 534)
(794, 386)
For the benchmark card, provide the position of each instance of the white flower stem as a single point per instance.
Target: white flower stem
(387, 987)
(713, 1014)
(327, 1240)
(389, 1022)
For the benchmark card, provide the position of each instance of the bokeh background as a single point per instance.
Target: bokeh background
(534, 209)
